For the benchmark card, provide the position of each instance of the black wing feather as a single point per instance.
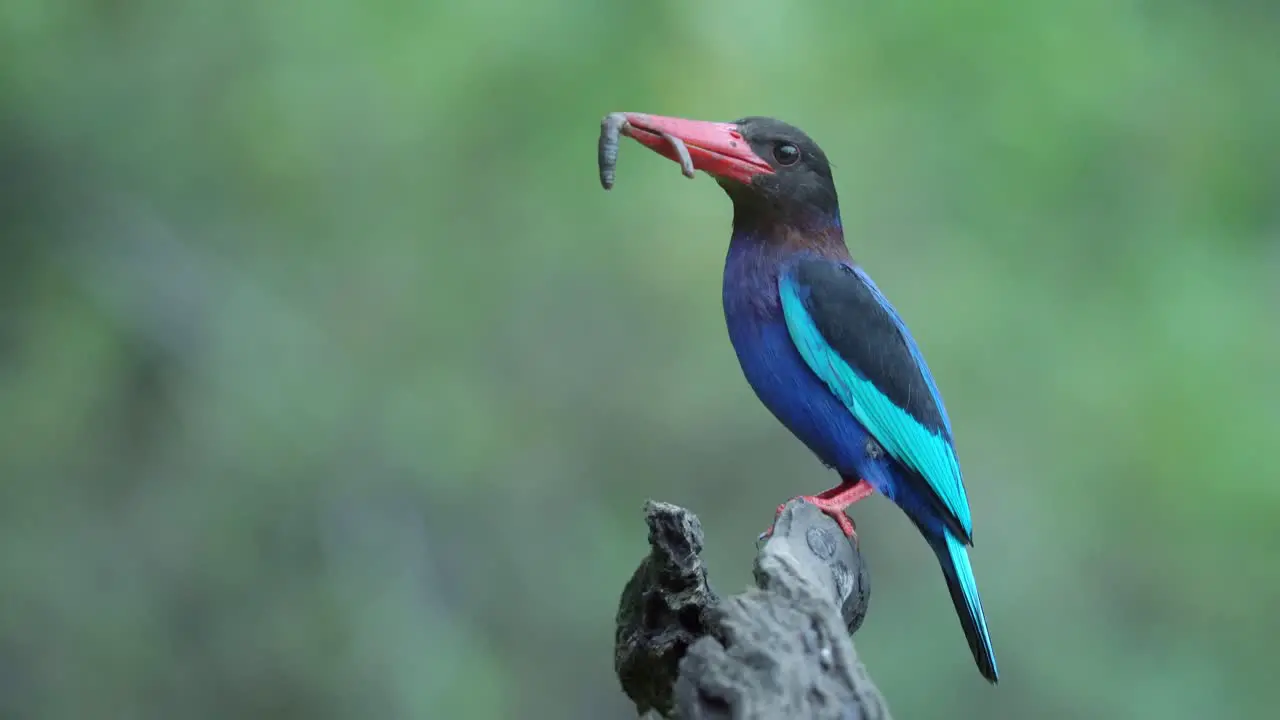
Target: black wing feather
(857, 324)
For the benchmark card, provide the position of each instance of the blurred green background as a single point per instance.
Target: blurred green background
(332, 384)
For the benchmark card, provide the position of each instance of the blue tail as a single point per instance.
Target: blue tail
(964, 594)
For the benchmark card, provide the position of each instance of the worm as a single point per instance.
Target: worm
(686, 162)
(607, 156)
(607, 153)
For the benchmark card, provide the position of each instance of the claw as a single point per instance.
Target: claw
(837, 514)
(833, 502)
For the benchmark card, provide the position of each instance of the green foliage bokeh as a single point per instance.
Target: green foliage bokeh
(331, 383)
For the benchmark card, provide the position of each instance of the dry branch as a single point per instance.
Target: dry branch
(782, 649)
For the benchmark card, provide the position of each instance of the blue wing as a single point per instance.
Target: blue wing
(853, 340)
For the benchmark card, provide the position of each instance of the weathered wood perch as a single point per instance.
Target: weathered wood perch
(779, 650)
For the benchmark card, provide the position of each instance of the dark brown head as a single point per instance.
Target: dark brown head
(773, 172)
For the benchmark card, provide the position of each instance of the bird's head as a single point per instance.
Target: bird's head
(773, 172)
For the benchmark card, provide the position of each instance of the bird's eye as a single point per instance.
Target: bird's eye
(786, 153)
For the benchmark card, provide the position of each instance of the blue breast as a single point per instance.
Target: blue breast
(795, 396)
(777, 373)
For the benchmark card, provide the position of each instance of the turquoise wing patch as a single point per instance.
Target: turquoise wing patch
(927, 452)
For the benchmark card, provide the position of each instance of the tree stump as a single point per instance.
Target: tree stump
(782, 649)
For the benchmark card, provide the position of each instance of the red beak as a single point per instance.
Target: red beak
(715, 148)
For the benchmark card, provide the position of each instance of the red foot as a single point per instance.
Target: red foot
(834, 501)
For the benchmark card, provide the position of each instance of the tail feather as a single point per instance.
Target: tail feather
(964, 594)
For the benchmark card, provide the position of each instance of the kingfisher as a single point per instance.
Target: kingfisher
(821, 345)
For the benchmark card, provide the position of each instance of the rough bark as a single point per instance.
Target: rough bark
(782, 649)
